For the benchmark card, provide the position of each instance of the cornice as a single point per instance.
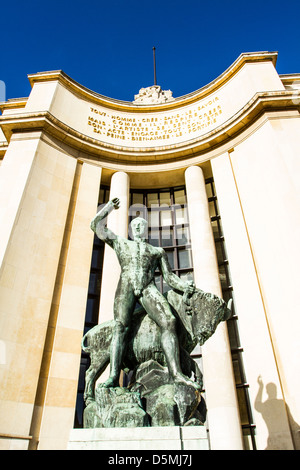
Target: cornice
(261, 103)
(290, 79)
(3, 148)
(190, 98)
(13, 103)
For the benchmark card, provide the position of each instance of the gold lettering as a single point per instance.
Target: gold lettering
(160, 127)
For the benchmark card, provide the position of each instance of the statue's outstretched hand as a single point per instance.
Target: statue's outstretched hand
(190, 288)
(115, 202)
(188, 292)
(104, 212)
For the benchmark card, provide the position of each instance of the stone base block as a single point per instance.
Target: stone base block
(115, 408)
(151, 438)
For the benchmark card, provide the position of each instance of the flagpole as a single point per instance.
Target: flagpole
(154, 64)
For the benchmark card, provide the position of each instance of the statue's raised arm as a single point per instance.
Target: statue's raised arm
(98, 222)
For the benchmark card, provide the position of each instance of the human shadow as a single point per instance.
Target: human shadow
(271, 411)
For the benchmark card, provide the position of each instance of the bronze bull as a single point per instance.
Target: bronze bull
(197, 319)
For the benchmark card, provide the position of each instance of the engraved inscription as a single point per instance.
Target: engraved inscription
(178, 125)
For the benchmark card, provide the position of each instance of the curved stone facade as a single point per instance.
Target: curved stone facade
(58, 145)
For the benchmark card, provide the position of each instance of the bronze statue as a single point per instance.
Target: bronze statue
(153, 342)
(139, 260)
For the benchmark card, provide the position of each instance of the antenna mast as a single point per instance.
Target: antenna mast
(154, 65)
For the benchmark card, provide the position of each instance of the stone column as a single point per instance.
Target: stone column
(36, 182)
(223, 413)
(67, 314)
(254, 332)
(117, 221)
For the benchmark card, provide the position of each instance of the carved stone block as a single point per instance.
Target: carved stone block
(115, 407)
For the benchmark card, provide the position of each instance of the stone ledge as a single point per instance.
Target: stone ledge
(152, 438)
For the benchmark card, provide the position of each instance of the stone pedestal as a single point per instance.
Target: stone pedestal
(147, 403)
(151, 438)
(115, 408)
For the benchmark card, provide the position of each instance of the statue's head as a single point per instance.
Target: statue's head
(139, 228)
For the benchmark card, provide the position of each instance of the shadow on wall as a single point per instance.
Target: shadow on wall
(271, 411)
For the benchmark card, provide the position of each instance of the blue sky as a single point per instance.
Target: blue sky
(107, 45)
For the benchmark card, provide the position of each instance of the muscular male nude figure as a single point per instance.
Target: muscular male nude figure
(139, 260)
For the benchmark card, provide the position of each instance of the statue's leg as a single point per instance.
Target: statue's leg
(123, 307)
(91, 376)
(160, 312)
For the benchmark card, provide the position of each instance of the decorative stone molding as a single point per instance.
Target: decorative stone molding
(153, 95)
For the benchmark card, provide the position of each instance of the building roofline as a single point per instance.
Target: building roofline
(201, 93)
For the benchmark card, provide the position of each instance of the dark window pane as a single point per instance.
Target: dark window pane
(153, 237)
(157, 282)
(152, 200)
(181, 216)
(165, 198)
(167, 237)
(101, 196)
(242, 400)
(165, 218)
(153, 218)
(211, 206)
(215, 228)
(92, 307)
(166, 288)
(82, 371)
(223, 277)
(184, 259)
(219, 250)
(248, 438)
(182, 236)
(179, 197)
(137, 198)
(209, 191)
(232, 332)
(93, 283)
(170, 255)
(97, 257)
(237, 368)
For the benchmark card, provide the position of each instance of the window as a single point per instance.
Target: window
(166, 212)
